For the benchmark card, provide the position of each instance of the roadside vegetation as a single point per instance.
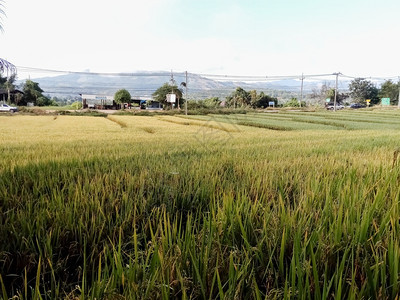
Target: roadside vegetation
(359, 91)
(200, 207)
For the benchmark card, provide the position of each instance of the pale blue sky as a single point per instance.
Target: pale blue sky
(233, 37)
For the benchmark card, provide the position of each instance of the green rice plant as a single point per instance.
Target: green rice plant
(271, 121)
(88, 210)
(266, 126)
(3, 288)
(353, 120)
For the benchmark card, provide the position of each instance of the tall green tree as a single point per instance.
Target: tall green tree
(122, 96)
(34, 94)
(239, 98)
(242, 98)
(390, 90)
(362, 89)
(263, 100)
(161, 93)
(253, 98)
(340, 97)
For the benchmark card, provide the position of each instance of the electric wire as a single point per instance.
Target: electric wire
(247, 80)
(182, 74)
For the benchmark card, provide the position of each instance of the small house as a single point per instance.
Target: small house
(15, 95)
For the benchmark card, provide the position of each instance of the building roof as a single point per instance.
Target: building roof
(13, 92)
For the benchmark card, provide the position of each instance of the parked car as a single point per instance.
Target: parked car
(332, 107)
(357, 105)
(5, 107)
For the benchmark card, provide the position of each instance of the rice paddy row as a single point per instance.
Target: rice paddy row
(343, 120)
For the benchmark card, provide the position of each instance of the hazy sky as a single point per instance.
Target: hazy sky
(235, 37)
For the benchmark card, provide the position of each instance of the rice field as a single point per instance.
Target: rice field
(286, 205)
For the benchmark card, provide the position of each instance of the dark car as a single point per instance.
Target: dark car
(357, 105)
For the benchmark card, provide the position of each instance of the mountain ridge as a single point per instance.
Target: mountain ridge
(143, 84)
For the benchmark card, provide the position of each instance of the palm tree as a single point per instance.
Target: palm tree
(2, 13)
(6, 67)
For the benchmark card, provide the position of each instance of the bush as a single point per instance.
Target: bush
(195, 104)
(43, 101)
(76, 105)
(294, 103)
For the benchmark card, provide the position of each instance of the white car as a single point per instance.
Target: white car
(332, 107)
(5, 107)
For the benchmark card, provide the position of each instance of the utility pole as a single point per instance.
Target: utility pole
(8, 89)
(172, 89)
(186, 91)
(398, 97)
(336, 88)
(301, 91)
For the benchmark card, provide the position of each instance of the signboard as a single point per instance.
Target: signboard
(100, 97)
(171, 98)
(385, 101)
(328, 100)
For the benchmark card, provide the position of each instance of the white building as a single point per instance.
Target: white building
(97, 101)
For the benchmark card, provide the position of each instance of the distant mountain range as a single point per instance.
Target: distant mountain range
(145, 83)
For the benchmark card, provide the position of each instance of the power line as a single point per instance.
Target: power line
(221, 77)
(247, 81)
(370, 77)
(134, 74)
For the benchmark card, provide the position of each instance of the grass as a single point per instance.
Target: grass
(159, 209)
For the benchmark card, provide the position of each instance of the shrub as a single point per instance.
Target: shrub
(76, 105)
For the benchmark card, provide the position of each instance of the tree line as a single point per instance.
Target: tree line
(359, 90)
(240, 98)
(31, 92)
